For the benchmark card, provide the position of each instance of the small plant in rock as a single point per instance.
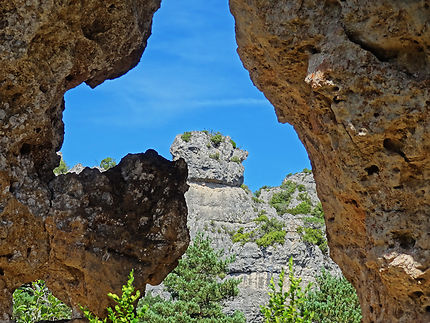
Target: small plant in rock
(271, 231)
(235, 159)
(242, 237)
(215, 156)
(288, 306)
(107, 163)
(303, 208)
(258, 192)
(62, 168)
(257, 200)
(301, 188)
(245, 188)
(124, 311)
(314, 236)
(307, 171)
(186, 136)
(217, 139)
(32, 303)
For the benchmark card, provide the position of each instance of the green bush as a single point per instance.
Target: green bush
(307, 171)
(217, 139)
(62, 168)
(270, 238)
(197, 287)
(301, 188)
(314, 236)
(258, 192)
(124, 311)
(235, 159)
(281, 200)
(334, 300)
(214, 156)
(317, 211)
(107, 163)
(186, 136)
(257, 200)
(245, 188)
(303, 208)
(233, 143)
(36, 303)
(243, 237)
(288, 306)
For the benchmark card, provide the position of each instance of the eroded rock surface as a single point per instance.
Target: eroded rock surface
(220, 211)
(211, 157)
(353, 77)
(81, 233)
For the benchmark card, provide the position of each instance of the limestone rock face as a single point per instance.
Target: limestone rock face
(81, 233)
(220, 211)
(208, 159)
(353, 77)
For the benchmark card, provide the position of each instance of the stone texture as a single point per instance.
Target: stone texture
(353, 78)
(81, 233)
(208, 161)
(220, 210)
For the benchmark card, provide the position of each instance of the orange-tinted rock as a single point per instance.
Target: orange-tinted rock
(81, 233)
(353, 78)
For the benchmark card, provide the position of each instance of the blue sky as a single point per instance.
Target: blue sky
(189, 78)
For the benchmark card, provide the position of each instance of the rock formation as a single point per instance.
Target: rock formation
(211, 157)
(222, 210)
(81, 233)
(353, 78)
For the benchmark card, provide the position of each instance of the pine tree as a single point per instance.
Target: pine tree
(197, 287)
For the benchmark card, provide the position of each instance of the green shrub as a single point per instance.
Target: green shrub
(317, 211)
(281, 200)
(186, 136)
(301, 188)
(245, 188)
(107, 163)
(214, 156)
(197, 287)
(205, 132)
(304, 196)
(36, 303)
(62, 168)
(257, 200)
(288, 306)
(270, 238)
(233, 143)
(124, 310)
(334, 300)
(242, 237)
(303, 208)
(235, 159)
(314, 236)
(307, 171)
(217, 139)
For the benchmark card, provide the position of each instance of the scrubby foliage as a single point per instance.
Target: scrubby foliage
(62, 168)
(312, 230)
(197, 288)
(334, 300)
(32, 303)
(280, 201)
(235, 159)
(217, 138)
(257, 193)
(288, 306)
(233, 143)
(268, 233)
(107, 163)
(186, 136)
(215, 156)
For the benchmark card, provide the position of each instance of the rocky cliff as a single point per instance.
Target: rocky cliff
(232, 217)
(80, 233)
(353, 78)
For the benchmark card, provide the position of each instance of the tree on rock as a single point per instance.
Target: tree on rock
(107, 163)
(197, 287)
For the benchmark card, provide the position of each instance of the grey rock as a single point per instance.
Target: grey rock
(219, 211)
(209, 162)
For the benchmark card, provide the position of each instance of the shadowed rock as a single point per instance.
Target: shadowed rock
(81, 233)
(353, 77)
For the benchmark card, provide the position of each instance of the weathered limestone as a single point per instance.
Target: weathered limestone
(353, 77)
(81, 233)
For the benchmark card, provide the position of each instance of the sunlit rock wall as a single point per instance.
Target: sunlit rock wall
(353, 78)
